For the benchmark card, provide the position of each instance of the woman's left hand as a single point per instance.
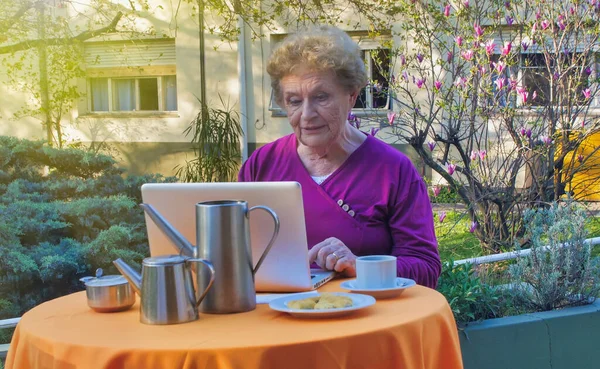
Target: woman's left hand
(333, 254)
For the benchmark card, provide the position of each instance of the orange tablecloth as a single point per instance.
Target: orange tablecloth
(415, 330)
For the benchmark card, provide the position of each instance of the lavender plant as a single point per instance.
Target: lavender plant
(560, 270)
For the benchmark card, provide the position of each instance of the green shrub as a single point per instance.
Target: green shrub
(446, 195)
(468, 296)
(560, 270)
(63, 213)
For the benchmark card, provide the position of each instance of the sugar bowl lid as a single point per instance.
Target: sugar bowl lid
(102, 281)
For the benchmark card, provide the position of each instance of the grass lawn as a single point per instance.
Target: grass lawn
(456, 242)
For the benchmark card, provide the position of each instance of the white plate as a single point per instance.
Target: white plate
(383, 293)
(358, 302)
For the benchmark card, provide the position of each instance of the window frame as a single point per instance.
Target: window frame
(161, 95)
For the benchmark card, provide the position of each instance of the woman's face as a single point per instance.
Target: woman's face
(317, 106)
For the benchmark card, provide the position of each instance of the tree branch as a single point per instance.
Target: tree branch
(86, 35)
(8, 23)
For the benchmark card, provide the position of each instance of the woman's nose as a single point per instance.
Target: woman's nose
(308, 110)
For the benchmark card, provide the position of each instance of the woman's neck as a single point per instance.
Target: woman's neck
(321, 161)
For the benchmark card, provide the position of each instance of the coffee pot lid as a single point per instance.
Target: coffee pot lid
(164, 260)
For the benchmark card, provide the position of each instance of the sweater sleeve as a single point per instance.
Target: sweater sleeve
(413, 234)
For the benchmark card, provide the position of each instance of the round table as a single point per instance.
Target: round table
(414, 330)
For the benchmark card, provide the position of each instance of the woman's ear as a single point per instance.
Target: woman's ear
(353, 97)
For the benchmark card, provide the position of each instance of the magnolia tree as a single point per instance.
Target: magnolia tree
(497, 98)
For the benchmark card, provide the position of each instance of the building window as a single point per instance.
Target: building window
(126, 76)
(376, 94)
(536, 75)
(133, 94)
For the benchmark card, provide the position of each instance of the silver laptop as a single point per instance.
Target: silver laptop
(286, 267)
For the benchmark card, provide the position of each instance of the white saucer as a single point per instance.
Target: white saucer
(382, 293)
(358, 302)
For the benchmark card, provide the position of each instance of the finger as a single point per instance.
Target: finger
(331, 260)
(313, 253)
(324, 253)
(345, 264)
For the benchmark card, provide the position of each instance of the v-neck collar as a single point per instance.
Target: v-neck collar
(335, 172)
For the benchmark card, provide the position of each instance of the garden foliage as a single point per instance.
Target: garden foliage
(63, 213)
(560, 270)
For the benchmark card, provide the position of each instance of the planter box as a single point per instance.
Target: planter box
(558, 339)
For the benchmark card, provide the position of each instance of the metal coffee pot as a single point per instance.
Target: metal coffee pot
(223, 237)
(166, 288)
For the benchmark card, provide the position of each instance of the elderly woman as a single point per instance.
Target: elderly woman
(361, 196)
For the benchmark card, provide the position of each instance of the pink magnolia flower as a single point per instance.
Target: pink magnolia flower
(402, 59)
(431, 145)
(374, 131)
(442, 216)
(482, 154)
(572, 10)
(561, 25)
(580, 158)
(436, 190)
(352, 118)
(474, 155)
(393, 79)
(538, 14)
(478, 30)
(482, 69)
(545, 24)
(547, 140)
(438, 85)
(458, 41)
(499, 66)
(523, 131)
(450, 168)
(460, 82)
(513, 84)
(523, 94)
(419, 57)
(533, 28)
(588, 70)
(489, 47)
(391, 116)
(587, 93)
(467, 55)
(524, 45)
(556, 75)
(507, 4)
(473, 227)
(534, 95)
(420, 82)
(466, 3)
(506, 49)
(509, 20)
(449, 56)
(447, 10)
(500, 83)
(528, 133)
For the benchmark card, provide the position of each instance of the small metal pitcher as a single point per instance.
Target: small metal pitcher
(223, 237)
(166, 288)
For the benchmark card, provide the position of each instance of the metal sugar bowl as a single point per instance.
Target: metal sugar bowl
(109, 293)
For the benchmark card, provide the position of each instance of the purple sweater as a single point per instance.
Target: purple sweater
(392, 213)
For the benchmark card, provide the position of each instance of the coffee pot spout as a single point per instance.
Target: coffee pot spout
(133, 277)
(183, 245)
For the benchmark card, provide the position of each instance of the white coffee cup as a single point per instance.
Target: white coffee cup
(375, 272)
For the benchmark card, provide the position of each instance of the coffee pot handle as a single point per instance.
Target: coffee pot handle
(275, 233)
(210, 267)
